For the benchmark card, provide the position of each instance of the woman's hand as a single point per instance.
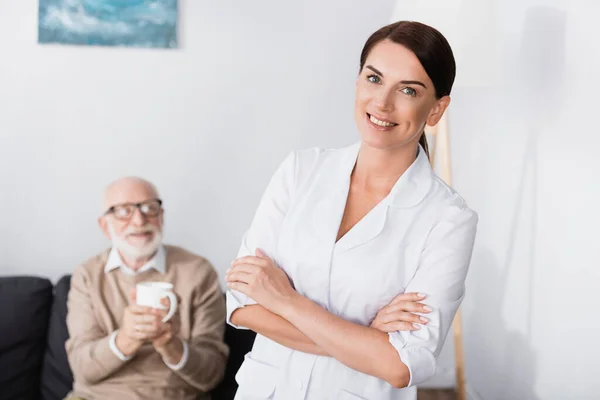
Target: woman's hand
(262, 280)
(401, 314)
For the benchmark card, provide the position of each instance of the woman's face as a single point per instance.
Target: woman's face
(395, 98)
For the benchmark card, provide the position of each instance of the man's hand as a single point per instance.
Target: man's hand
(168, 344)
(140, 324)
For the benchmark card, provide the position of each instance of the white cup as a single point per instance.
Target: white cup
(150, 294)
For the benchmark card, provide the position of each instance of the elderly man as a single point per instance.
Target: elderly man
(120, 350)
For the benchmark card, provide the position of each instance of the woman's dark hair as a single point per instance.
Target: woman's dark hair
(431, 48)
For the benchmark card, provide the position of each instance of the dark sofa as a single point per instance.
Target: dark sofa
(33, 361)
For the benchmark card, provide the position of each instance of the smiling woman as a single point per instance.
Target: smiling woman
(424, 64)
(355, 262)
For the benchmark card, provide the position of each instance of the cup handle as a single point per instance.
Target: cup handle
(172, 307)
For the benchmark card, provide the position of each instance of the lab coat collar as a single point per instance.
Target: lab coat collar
(411, 188)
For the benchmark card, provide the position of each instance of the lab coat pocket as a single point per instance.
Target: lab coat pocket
(344, 395)
(256, 380)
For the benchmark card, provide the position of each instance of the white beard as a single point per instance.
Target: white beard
(130, 251)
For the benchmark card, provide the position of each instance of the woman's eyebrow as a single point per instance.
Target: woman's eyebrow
(372, 68)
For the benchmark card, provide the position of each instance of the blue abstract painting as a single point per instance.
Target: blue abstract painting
(135, 23)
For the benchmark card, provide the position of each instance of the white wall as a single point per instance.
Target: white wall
(526, 158)
(208, 123)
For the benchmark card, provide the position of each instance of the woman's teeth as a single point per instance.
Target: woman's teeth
(381, 123)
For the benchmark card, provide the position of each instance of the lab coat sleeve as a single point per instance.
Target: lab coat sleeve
(266, 224)
(440, 275)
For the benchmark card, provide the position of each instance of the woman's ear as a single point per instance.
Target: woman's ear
(438, 110)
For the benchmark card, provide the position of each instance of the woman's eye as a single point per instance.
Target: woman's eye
(409, 91)
(373, 78)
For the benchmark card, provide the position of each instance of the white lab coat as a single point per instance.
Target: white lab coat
(418, 239)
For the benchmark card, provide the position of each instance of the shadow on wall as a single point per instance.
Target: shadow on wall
(505, 358)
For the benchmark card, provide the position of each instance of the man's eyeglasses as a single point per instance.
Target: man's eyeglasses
(149, 208)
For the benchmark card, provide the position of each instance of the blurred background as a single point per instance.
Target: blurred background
(209, 118)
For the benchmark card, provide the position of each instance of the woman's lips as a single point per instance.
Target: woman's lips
(380, 124)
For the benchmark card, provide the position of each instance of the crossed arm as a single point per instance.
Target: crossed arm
(399, 315)
(296, 322)
(363, 348)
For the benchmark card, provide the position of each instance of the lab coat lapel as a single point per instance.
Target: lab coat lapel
(408, 191)
(331, 189)
(365, 230)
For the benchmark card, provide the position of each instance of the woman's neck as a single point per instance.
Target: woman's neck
(380, 169)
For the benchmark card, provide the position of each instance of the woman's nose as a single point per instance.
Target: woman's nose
(384, 100)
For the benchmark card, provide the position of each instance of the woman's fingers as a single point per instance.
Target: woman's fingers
(411, 296)
(261, 254)
(246, 268)
(409, 306)
(403, 316)
(398, 326)
(240, 276)
(240, 287)
(251, 260)
(406, 326)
